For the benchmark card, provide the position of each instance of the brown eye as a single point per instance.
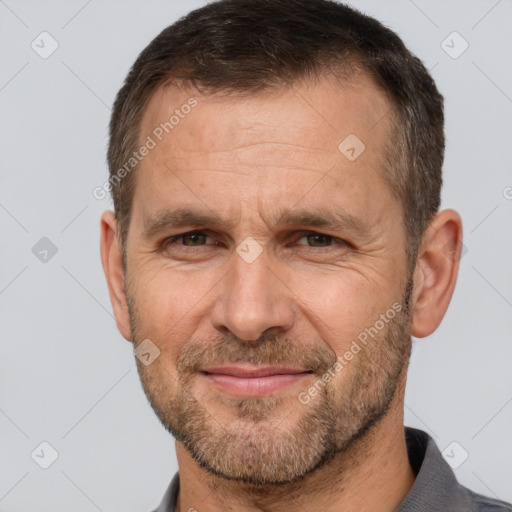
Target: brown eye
(194, 238)
(319, 240)
(316, 239)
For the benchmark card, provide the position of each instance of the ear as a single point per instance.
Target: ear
(111, 259)
(436, 272)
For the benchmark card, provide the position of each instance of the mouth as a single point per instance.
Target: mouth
(245, 380)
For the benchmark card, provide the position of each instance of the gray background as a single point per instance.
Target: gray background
(67, 377)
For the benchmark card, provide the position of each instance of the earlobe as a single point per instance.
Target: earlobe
(111, 260)
(436, 272)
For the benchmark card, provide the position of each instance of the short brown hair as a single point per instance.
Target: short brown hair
(250, 45)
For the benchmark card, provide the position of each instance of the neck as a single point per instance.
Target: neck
(374, 475)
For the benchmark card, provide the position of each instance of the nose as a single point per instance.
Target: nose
(252, 300)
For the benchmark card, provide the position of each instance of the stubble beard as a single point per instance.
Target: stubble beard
(276, 440)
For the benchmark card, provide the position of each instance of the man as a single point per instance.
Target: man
(275, 167)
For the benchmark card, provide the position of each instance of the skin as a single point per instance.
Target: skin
(304, 300)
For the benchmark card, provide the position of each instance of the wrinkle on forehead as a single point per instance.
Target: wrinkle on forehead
(248, 151)
(280, 115)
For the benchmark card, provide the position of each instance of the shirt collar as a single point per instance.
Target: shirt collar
(434, 489)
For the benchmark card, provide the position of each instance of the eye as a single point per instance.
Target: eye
(191, 239)
(320, 240)
(194, 238)
(194, 241)
(317, 239)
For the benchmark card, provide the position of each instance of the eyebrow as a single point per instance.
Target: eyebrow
(339, 221)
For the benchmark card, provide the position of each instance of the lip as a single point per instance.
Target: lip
(253, 381)
(253, 371)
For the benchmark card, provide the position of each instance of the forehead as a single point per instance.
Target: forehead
(282, 139)
(323, 110)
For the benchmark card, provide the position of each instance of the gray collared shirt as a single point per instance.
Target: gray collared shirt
(435, 489)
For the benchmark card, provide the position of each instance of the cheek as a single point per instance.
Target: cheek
(169, 305)
(339, 307)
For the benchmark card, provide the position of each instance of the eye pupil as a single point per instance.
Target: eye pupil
(317, 237)
(194, 237)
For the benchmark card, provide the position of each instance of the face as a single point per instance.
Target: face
(262, 235)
